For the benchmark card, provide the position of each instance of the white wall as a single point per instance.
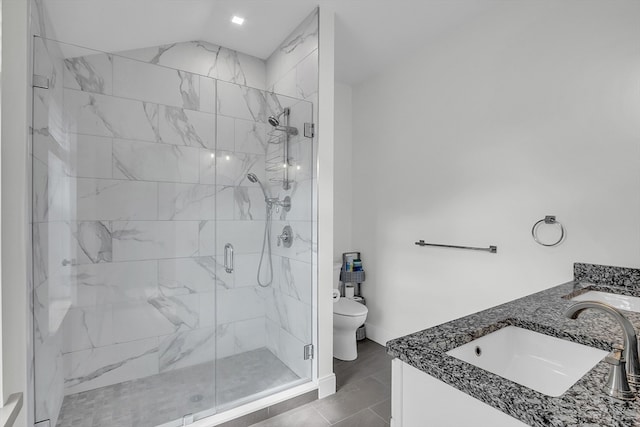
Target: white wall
(529, 110)
(342, 180)
(15, 97)
(326, 133)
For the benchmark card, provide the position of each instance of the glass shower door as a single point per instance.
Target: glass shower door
(53, 226)
(263, 243)
(124, 288)
(144, 178)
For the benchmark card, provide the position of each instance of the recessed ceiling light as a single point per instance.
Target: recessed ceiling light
(237, 20)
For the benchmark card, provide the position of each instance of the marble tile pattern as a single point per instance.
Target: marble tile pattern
(147, 401)
(242, 129)
(291, 54)
(205, 59)
(292, 70)
(136, 156)
(118, 205)
(582, 404)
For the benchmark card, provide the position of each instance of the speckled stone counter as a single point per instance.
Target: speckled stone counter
(584, 404)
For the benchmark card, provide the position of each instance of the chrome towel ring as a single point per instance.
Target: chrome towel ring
(549, 219)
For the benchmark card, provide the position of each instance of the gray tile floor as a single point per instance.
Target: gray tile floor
(168, 396)
(363, 398)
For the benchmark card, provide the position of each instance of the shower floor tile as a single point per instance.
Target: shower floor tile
(161, 398)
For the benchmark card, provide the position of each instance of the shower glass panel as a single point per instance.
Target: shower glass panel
(263, 301)
(140, 180)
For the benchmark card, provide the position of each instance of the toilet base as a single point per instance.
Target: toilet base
(345, 346)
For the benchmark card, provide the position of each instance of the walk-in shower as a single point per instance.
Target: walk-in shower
(144, 169)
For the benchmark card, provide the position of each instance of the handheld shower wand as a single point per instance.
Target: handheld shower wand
(253, 178)
(266, 241)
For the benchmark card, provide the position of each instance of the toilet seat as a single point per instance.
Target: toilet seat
(349, 308)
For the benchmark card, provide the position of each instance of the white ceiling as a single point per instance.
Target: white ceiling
(370, 34)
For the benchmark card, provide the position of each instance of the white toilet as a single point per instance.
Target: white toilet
(348, 316)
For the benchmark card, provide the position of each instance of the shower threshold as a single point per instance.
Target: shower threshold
(158, 399)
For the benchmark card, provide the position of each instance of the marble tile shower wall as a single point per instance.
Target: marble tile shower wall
(205, 59)
(291, 266)
(292, 70)
(127, 183)
(288, 300)
(122, 208)
(126, 187)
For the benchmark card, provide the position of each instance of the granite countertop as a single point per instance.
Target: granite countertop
(584, 403)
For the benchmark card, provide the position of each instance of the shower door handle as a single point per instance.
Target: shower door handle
(228, 258)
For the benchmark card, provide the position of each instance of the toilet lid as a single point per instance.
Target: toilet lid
(347, 307)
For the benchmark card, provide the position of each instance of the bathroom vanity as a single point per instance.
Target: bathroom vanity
(432, 387)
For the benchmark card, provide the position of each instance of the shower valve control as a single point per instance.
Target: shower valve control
(286, 237)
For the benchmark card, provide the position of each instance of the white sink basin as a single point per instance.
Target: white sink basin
(543, 363)
(622, 302)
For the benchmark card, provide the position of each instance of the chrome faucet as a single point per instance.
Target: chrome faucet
(617, 384)
(630, 349)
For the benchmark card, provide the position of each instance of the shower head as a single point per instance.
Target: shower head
(273, 120)
(253, 178)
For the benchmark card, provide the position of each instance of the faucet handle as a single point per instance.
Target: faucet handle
(286, 238)
(617, 384)
(615, 358)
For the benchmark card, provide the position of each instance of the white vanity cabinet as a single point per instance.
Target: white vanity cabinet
(419, 400)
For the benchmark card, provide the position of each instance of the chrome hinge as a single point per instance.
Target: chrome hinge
(187, 419)
(42, 82)
(308, 352)
(309, 130)
(45, 423)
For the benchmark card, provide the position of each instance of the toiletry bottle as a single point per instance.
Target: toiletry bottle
(348, 263)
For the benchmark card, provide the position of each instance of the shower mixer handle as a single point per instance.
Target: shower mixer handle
(286, 237)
